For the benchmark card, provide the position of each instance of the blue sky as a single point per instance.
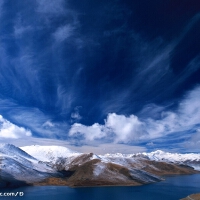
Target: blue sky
(122, 75)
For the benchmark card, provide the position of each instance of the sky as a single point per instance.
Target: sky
(103, 76)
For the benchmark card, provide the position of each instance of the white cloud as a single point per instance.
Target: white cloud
(125, 128)
(189, 109)
(34, 120)
(128, 129)
(9, 130)
(76, 115)
(96, 131)
(38, 122)
(117, 127)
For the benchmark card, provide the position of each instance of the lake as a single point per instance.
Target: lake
(173, 188)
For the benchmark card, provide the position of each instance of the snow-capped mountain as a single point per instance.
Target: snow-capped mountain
(58, 157)
(191, 159)
(56, 165)
(49, 153)
(19, 167)
(172, 157)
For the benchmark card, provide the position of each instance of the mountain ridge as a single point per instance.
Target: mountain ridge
(57, 165)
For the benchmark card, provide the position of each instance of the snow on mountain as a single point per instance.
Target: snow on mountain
(191, 159)
(52, 154)
(172, 157)
(13, 151)
(17, 154)
(123, 159)
(56, 154)
(15, 164)
(158, 156)
(35, 163)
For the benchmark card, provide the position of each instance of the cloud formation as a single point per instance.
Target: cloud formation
(193, 143)
(51, 7)
(56, 55)
(131, 129)
(10, 130)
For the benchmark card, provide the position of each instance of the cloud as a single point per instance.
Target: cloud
(57, 57)
(9, 130)
(118, 128)
(126, 129)
(64, 98)
(48, 124)
(131, 129)
(90, 133)
(110, 148)
(40, 124)
(75, 116)
(21, 28)
(1, 5)
(193, 143)
(63, 33)
(153, 66)
(51, 6)
(97, 149)
(189, 26)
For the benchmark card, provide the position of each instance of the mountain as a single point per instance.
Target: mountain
(190, 159)
(87, 169)
(55, 156)
(56, 165)
(19, 168)
(49, 153)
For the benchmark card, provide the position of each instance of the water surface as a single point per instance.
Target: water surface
(173, 188)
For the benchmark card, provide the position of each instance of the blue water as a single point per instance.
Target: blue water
(173, 188)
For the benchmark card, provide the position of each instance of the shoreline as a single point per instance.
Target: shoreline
(121, 185)
(65, 184)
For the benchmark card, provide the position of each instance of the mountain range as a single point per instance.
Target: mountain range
(57, 165)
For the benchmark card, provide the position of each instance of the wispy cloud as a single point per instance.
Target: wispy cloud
(193, 143)
(153, 69)
(53, 57)
(131, 129)
(75, 115)
(51, 7)
(63, 33)
(1, 9)
(48, 124)
(39, 123)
